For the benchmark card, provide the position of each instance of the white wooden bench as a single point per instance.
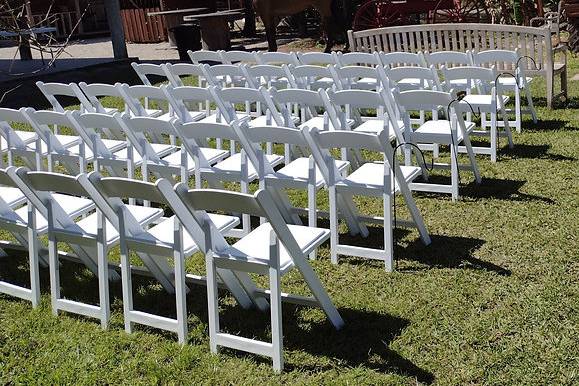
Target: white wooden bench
(534, 42)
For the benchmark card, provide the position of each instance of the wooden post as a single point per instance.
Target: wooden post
(113, 10)
(78, 16)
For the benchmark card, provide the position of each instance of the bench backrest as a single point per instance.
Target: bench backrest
(531, 41)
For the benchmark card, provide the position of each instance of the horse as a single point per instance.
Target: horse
(271, 12)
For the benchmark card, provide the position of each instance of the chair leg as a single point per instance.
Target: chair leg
(530, 104)
(54, 274)
(388, 232)
(180, 294)
(334, 223)
(493, 130)
(312, 212)
(454, 171)
(34, 267)
(212, 302)
(127, 285)
(471, 158)
(518, 115)
(507, 127)
(103, 277)
(276, 318)
(245, 218)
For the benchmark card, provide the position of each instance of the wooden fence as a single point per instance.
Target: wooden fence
(140, 28)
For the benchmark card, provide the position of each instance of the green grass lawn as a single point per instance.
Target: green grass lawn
(493, 300)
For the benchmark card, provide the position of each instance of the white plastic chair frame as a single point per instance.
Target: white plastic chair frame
(309, 76)
(19, 143)
(239, 57)
(450, 131)
(484, 95)
(520, 81)
(267, 75)
(366, 181)
(51, 90)
(203, 56)
(154, 246)
(278, 58)
(269, 243)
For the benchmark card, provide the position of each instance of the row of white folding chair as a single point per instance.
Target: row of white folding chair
(510, 60)
(272, 249)
(304, 97)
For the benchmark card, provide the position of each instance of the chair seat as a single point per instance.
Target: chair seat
(110, 110)
(375, 126)
(160, 149)
(67, 141)
(371, 176)
(509, 81)
(26, 136)
(211, 155)
(162, 234)
(365, 84)
(438, 132)
(233, 164)
(412, 84)
(254, 248)
(113, 145)
(479, 101)
(12, 196)
(153, 113)
(89, 225)
(318, 123)
(213, 118)
(261, 121)
(72, 205)
(298, 170)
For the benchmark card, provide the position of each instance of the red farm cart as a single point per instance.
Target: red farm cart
(385, 13)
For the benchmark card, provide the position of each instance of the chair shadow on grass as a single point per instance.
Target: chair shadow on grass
(534, 152)
(363, 341)
(501, 189)
(448, 252)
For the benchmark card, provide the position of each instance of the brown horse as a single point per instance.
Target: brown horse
(271, 12)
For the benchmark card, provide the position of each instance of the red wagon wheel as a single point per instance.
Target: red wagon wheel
(380, 13)
(464, 11)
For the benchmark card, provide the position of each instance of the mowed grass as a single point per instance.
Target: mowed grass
(493, 300)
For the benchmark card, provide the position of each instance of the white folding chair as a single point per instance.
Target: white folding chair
(272, 249)
(484, 95)
(306, 103)
(451, 131)
(514, 80)
(298, 173)
(267, 75)
(450, 59)
(179, 162)
(204, 56)
(19, 221)
(316, 58)
(92, 235)
(238, 57)
(226, 75)
(398, 59)
(18, 143)
(175, 73)
(357, 105)
(71, 90)
(145, 70)
(413, 78)
(132, 95)
(68, 150)
(278, 58)
(358, 77)
(95, 91)
(237, 168)
(365, 59)
(309, 77)
(154, 245)
(379, 179)
(74, 158)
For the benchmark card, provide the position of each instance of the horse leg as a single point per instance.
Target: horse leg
(271, 37)
(327, 23)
